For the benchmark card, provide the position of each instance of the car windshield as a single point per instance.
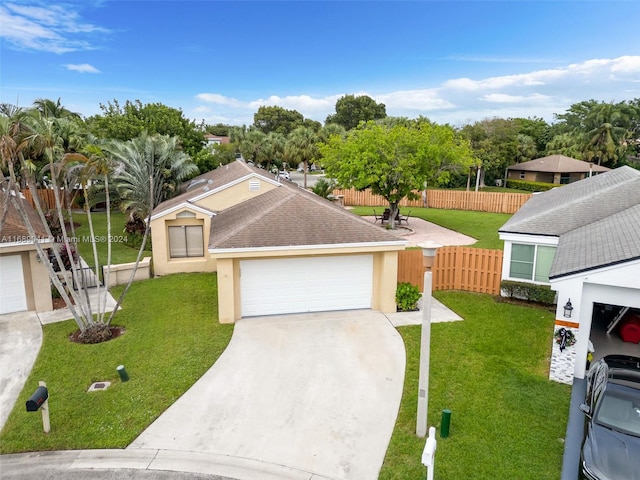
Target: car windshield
(619, 408)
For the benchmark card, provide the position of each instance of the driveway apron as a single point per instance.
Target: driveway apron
(20, 342)
(315, 392)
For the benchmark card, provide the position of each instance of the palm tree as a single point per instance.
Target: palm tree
(606, 133)
(301, 147)
(50, 109)
(274, 148)
(89, 165)
(253, 146)
(151, 167)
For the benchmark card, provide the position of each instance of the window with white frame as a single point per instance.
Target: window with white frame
(186, 241)
(531, 262)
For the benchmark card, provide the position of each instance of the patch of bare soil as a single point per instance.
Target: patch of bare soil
(97, 333)
(59, 303)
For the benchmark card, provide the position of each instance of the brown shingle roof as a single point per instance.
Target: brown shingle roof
(208, 181)
(290, 216)
(14, 229)
(557, 164)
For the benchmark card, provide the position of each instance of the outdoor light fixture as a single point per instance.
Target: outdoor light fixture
(567, 309)
(428, 256)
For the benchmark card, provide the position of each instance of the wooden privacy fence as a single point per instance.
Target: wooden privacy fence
(494, 202)
(455, 268)
(48, 199)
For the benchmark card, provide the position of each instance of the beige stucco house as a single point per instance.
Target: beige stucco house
(277, 248)
(557, 169)
(24, 279)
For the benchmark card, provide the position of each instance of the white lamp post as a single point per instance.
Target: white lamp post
(428, 255)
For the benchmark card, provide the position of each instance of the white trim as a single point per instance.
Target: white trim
(233, 183)
(528, 238)
(184, 204)
(584, 275)
(308, 247)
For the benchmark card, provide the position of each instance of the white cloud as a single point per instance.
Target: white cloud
(219, 99)
(53, 28)
(505, 98)
(539, 93)
(82, 68)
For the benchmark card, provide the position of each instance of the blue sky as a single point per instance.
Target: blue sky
(453, 62)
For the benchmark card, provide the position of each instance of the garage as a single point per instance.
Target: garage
(615, 329)
(305, 284)
(13, 297)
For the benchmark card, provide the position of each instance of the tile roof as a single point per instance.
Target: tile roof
(14, 228)
(557, 164)
(596, 219)
(291, 216)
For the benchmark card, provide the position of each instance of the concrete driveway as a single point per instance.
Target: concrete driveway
(313, 393)
(21, 339)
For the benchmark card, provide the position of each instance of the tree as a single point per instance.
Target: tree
(567, 144)
(608, 127)
(128, 121)
(395, 162)
(302, 146)
(351, 110)
(30, 134)
(526, 148)
(252, 146)
(50, 109)
(151, 168)
(495, 143)
(277, 119)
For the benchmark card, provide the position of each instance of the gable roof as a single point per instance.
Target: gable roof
(596, 219)
(292, 217)
(14, 229)
(558, 164)
(209, 183)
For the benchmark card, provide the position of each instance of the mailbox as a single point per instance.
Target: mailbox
(37, 399)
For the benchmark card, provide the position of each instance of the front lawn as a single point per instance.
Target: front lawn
(166, 347)
(491, 370)
(482, 226)
(121, 252)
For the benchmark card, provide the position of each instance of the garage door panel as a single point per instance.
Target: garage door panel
(13, 296)
(305, 284)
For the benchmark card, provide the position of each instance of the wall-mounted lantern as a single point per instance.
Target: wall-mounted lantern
(568, 308)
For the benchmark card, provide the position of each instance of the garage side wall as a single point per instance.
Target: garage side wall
(385, 281)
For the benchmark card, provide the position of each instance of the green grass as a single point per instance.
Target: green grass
(167, 346)
(491, 371)
(482, 226)
(120, 251)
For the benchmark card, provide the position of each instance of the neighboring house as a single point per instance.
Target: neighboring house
(277, 248)
(24, 279)
(553, 169)
(216, 139)
(584, 241)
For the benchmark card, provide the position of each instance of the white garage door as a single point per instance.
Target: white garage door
(12, 294)
(305, 284)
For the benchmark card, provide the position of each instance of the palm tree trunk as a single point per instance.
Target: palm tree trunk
(108, 274)
(144, 243)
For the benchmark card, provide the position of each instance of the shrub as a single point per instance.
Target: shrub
(528, 291)
(323, 188)
(531, 186)
(407, 296)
